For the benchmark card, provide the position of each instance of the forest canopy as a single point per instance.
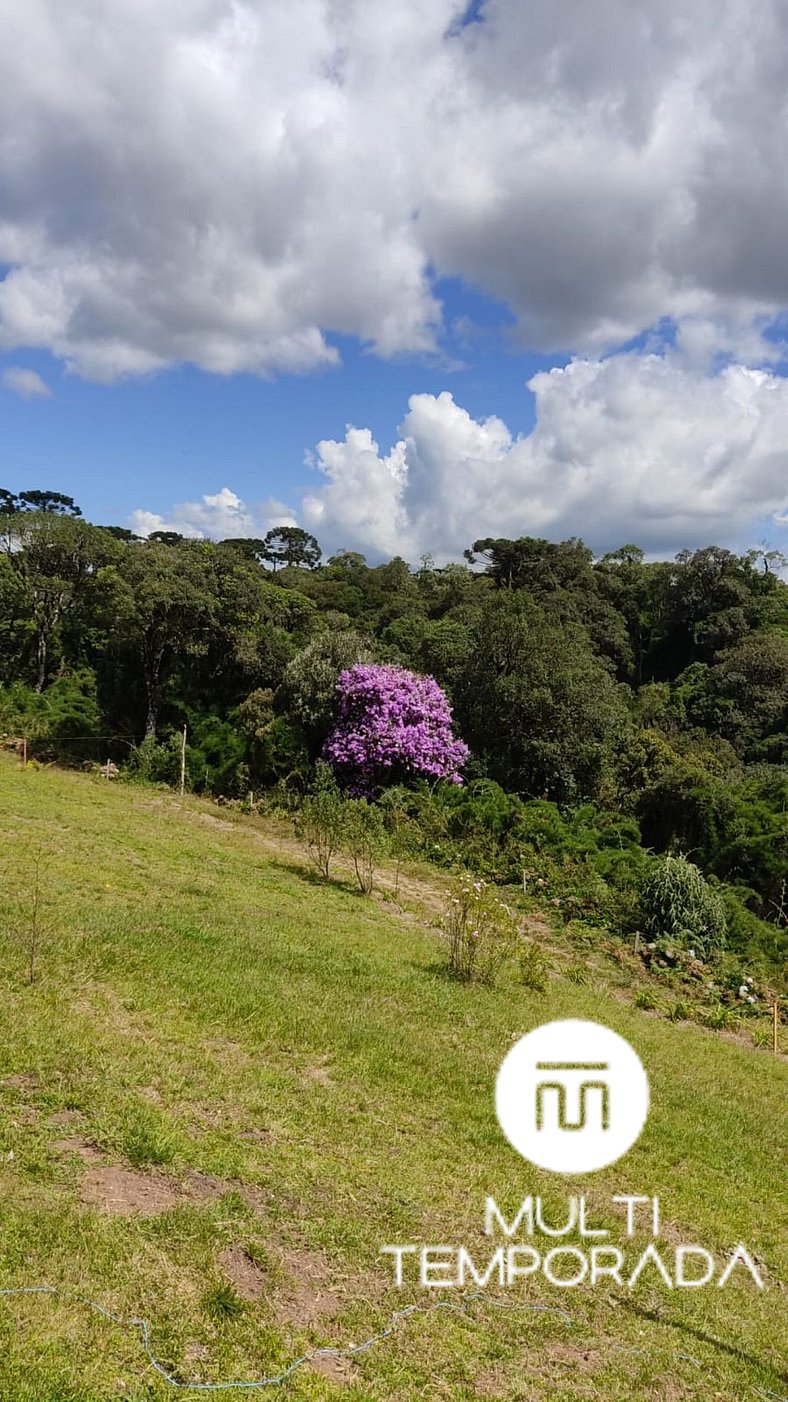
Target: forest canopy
(649, 693)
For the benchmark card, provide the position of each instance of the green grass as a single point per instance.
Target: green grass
(204, 1006)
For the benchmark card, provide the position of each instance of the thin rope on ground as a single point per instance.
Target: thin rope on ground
(142, 1327)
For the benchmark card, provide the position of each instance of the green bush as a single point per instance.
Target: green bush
(321, 820)
(760, 944)
(646, 999)
(677, 903)
(719, 1018)
(362, 836)
(483, 932)
(63, 721)
(680, 1011)
(533, 966)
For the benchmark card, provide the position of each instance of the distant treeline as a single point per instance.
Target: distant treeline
(657, 691)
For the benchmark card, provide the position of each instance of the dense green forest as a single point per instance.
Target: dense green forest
(614, 708)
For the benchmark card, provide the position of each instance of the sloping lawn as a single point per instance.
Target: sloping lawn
(230, 1084)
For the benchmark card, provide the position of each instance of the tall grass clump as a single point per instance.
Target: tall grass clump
(677, 903)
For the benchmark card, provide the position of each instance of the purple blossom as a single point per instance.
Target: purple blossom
(392, 727)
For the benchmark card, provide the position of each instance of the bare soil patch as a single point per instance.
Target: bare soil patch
(24, 1080)
(63, 1119)
(212, 822)
(320, 1074)
(75, 1144)
(242, 1272)
(341, 1371)
(204, 1187)
(312, 1295)
(123, 1191)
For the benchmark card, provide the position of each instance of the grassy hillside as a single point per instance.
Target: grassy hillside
(230, 1084)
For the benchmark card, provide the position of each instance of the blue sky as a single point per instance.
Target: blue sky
(155, 440)
(532, 255)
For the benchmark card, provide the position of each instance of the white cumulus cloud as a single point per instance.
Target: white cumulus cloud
(233, 182)
(28, 384)
(635, 447)
(218, 516)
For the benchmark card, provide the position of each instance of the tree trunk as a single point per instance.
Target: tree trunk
(152, 669)
(41, 660)
(152, 716)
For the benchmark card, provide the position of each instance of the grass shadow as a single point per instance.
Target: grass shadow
(733, 1350)
(441, 970)
(314, 878)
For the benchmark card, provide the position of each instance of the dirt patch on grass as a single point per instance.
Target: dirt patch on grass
(123, 1191)
(242, 1272)
(524, 1376)
(311, 1294)
(575, 1356)
(74, 1144)
(320, 1074)
(63, 1119)
(23, 1080)
(212, 822)
(339, 1370)
(204, 1187)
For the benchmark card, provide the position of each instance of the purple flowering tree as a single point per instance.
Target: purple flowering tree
(393, 727)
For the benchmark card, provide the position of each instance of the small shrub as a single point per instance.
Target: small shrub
(580, 932)
(647, 999)
(401, 828)
(362, 838)
(223, 1303)
(34, 927)
(577, 974)
(717, 1017)
(482, 931)
(677, 903)
(533, 966)
(680, 1011)
(320, 822)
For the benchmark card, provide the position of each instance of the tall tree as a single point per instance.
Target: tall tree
(53, 556)
(290, 545)
(168, 608)
(536, 705)
(54, 503)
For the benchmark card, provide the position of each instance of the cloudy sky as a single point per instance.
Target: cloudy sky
(407, 273)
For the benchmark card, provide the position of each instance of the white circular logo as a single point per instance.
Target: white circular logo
(572, 1096)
